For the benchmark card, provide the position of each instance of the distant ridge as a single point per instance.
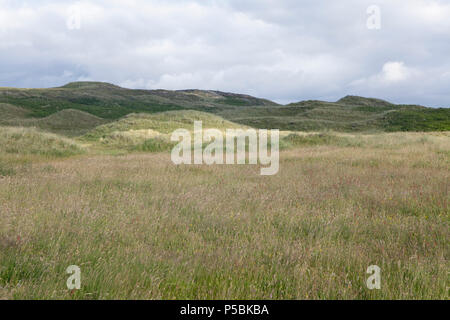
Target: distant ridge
(361, 101)
(95, 102)
(89, 85)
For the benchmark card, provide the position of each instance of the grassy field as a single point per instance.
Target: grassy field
(140, 227)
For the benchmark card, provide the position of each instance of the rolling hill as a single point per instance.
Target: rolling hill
(26, 141)
(349, 114)
(69, 122)
(151, 132)
(79, 107)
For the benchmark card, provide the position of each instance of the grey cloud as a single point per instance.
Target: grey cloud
(282, 50)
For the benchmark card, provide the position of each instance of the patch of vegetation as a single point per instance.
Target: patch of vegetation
(165, 123)
(68, 122)
(373, 109)
(6, 169)
(232, 101)
(41, 105)
(8, 112)
(24, 141)
(317, 139)
(367, 102)
(153, 145)
(418, 119)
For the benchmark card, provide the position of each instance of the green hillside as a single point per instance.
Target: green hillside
(111, 102)
(164, 122)
(26, 141)
(350, 114)
(78, 107)
(151, 132)
(69, 122)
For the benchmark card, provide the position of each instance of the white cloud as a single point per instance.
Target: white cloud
(394, 72)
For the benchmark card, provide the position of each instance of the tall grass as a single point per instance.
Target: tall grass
(140, 227)
(6, 169)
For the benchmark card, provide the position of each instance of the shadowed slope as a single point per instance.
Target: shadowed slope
(69, 122)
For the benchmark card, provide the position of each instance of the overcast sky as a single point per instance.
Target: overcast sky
(284, 50)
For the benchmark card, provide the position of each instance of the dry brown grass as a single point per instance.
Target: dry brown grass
(142, 228)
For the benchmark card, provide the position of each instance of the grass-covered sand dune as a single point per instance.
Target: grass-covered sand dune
(28, 141)
(21, 147)
(106, 102)
(150, 132)
(67, 122)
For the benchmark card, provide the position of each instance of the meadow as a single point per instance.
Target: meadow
(140, 227)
